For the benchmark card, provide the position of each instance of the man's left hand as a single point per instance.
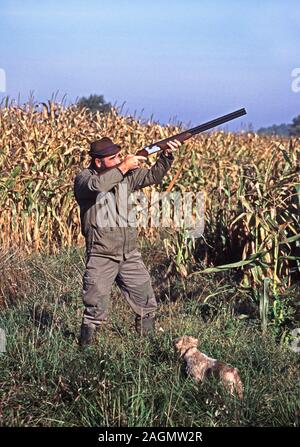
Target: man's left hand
(172, 146)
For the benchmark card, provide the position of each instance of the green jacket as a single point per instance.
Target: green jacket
(99, 193)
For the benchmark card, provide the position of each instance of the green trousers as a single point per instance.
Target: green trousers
(132, 278)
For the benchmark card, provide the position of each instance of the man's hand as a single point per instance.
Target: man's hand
(131, 162)
(172, 146)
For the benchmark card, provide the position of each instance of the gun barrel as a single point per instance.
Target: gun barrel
(202, 127)
(218, 121)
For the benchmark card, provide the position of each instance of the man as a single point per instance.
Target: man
(102, 191)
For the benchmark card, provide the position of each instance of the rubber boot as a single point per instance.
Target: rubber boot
(145, 326)
(87, 335)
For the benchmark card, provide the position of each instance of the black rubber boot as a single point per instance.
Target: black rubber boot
(145, 326)
(87, 335)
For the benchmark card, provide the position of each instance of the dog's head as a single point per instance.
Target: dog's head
(182, 344)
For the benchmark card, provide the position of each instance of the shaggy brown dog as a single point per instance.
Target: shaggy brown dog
(199, 365)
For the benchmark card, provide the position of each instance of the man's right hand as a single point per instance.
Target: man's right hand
(131, 162)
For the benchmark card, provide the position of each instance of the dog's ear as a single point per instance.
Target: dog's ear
(177, 343)
(193, 341)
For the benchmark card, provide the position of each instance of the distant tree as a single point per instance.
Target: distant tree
(276, 129)
(295, 127)
(95, 103)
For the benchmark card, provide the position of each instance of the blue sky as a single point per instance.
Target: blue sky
(185, 60)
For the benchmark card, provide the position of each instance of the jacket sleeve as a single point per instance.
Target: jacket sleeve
(86, 186)
(140, 178)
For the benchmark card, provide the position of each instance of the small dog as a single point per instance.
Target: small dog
(199, 365)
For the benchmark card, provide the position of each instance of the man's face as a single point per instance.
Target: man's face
(108, 162)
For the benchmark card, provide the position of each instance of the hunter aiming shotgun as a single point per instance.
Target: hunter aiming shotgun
(183, 136)
(112, 254)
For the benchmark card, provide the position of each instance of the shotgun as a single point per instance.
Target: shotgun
(183, 136)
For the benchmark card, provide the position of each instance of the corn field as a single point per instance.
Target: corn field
(251, 185)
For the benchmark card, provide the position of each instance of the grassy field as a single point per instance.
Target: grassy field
(125, 381)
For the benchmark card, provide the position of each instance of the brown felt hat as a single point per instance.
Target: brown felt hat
(103, 148)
